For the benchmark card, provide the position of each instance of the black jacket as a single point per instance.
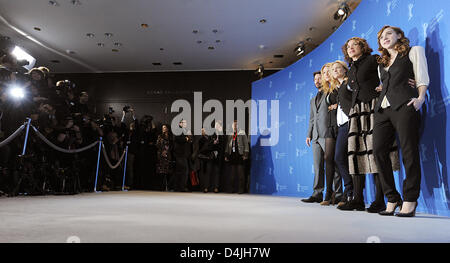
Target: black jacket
(363, 79)
(345, 98)
(395, 83)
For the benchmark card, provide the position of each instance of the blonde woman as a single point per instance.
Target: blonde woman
(332, 175)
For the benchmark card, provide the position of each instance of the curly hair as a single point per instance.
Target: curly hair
(402, 46)
(365, 48)
(326, 84)
(334, 82)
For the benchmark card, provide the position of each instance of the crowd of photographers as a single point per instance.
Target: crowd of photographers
(156, 160)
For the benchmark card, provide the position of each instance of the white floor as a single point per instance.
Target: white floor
(139, 216)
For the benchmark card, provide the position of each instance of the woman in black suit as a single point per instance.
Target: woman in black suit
(397, 113)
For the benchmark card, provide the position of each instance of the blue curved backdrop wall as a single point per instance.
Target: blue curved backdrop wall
(287, 168)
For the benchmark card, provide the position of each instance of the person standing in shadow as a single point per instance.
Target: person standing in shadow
(182, 152)
(236, 152)
(317, 131)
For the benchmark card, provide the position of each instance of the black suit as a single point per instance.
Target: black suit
(403, 120)
(182, 153)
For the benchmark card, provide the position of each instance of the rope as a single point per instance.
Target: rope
(107, 159)
(12, 136)
(49, 143)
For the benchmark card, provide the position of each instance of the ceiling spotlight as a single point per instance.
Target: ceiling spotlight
(100, 44)
(262, 21)
(195, 31)
(53, 3)
(108, 35)
(90, 35)
(343, 12)
(260, 71)
(117, 44)
(309, 39)
(215, 31)
(199, 41)
(300, 49)
(144, 25)
(70, 52)
(218, 41)
(261, 46)
(37, 28)
(211, 48)
(75, 2)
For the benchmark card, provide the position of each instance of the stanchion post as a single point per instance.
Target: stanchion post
(125, 168)
(26, 136)
(98, 163)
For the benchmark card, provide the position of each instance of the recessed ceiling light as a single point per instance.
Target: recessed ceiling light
(161, 49)
(312, 28)
(75, 2)
(71, 52)
(215, 31)
(115, 50)
(211, 48)
(37, 29)
(262, 21)
(218, 41)
(117, 44)
(100, 44)
(108, 35)
(5, 38)
(199, 41)
(53, 3)
(55, 61)
(261, 46)
(195, 31)
(144, 25)
(309, 39)
(90, 35)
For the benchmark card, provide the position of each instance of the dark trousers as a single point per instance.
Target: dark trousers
(341, 159)
(209, 175)
(181, 172)
(237, 171)
(130, 169)
(406, 123)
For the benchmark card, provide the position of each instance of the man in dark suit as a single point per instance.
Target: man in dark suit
(182, 152)
(316, 137)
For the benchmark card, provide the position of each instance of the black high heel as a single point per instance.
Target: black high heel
(411, 214)
(386, 213)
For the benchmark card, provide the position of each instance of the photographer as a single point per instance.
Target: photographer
(131, 138)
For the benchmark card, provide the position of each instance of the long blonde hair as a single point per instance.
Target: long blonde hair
(335, 82)
(326, 85)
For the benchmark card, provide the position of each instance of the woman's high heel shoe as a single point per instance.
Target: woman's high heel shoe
(411, 214)
(391, 213)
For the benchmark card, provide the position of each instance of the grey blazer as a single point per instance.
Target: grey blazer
(318, 119)
(242, 143)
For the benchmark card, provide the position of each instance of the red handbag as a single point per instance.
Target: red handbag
(194, 178)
